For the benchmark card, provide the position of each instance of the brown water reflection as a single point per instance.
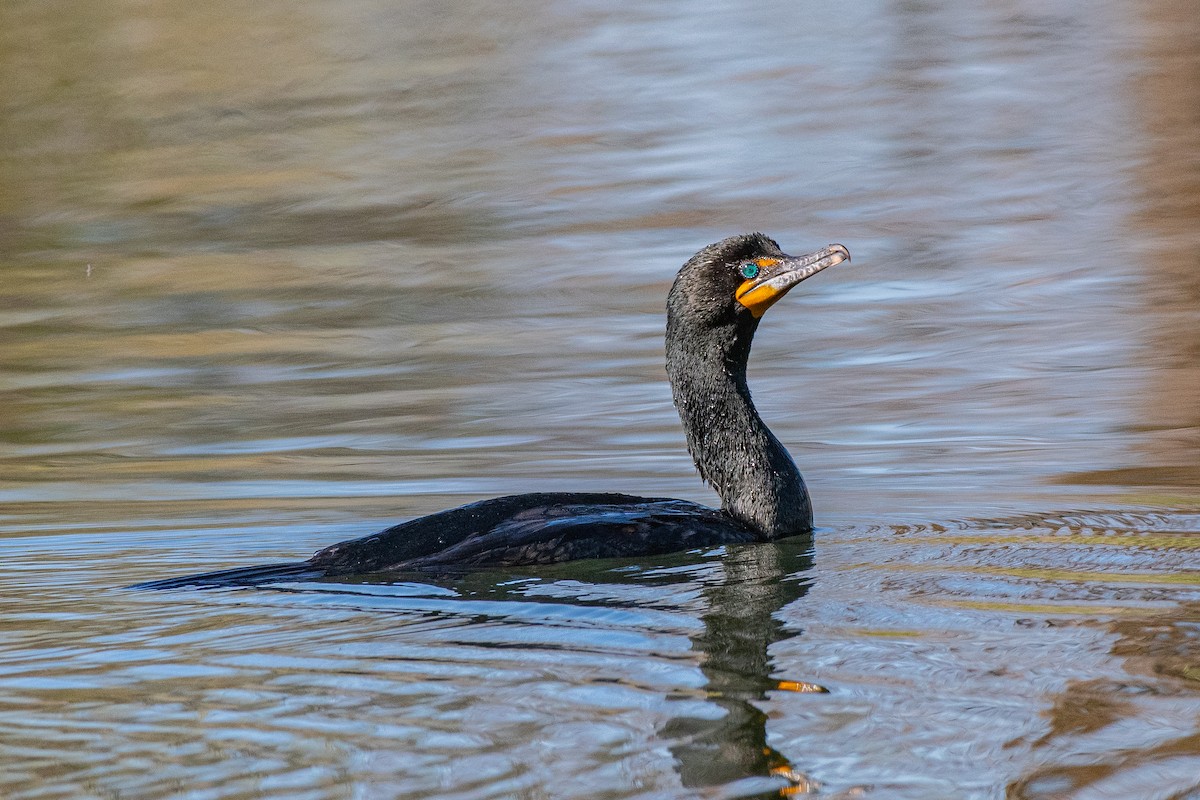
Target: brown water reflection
(1169, 98)
(1161, 654)
(274, 275)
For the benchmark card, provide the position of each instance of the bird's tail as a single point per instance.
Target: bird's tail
(242, 576)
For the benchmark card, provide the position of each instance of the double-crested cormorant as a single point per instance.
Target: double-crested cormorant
(712, 312)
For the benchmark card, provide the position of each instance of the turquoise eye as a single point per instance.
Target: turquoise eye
(749, 270)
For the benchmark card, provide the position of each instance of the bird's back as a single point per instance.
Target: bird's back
(538, 528)
(525, 529)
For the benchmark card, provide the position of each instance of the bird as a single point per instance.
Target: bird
(713, 310)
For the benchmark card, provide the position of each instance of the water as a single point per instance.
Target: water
(273, 276)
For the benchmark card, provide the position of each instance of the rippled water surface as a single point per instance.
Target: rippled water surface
(274, 275)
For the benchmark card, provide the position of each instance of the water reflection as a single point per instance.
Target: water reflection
(740, 597)
(1168, 101)
(1160, 654)
(740, 624)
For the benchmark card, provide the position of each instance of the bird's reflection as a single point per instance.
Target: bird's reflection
(740, 624)
(740, 604)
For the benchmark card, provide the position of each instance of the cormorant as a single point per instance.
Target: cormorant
(713, 310)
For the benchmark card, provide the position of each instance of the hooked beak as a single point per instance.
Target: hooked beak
(780, 275)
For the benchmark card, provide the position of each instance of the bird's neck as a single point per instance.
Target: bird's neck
(734, 450)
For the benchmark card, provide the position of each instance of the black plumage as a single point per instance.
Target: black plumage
(713, 310)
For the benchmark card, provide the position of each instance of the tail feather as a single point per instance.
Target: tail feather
(242, 576)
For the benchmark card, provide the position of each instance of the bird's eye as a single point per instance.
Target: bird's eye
(749, 270)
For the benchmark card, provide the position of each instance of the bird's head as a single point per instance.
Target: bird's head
(735, 281)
